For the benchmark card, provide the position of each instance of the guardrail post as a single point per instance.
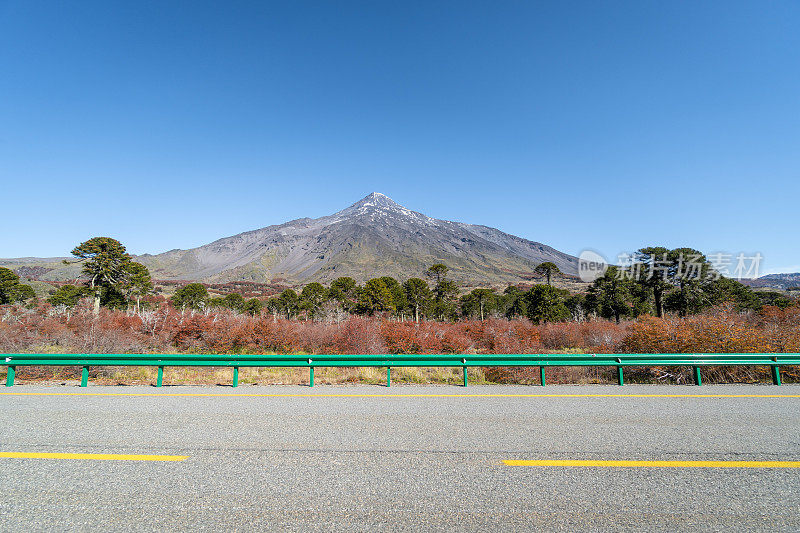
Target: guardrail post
(541, 375)
(311, 377)
(10, 376)
(620, 379)
(465, 376)
(236, 376)
(160, 377)
(776, 375)
(388, 376)
(698, 379)
(85, 376)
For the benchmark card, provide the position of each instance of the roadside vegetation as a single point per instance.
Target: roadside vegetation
(114, 309)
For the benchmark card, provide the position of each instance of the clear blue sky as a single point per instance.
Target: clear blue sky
(607, 125)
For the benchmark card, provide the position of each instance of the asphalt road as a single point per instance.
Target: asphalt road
(408, 459)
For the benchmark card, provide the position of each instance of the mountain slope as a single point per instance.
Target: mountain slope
(775, 281)
(372, 237)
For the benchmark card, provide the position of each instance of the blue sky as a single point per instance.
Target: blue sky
(604, 125)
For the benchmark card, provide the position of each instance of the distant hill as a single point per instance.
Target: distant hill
(373, 237)
(775, 281)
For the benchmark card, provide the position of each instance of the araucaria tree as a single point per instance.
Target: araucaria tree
(345, 292)
(547, 304)
(376, 297)
(193, 296)
(681, 280)
(105, 262)
(137, 283)
(479, 301)
(444, 291)
(612, 295)
(11, 290)
(547, 269)
(311, 299)
(418, 295)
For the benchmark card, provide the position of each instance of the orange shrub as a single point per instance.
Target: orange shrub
(718, 332)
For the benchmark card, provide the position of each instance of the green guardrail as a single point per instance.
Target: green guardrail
(618, 361)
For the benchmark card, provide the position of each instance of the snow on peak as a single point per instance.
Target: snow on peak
(376, 199)
(380, 205)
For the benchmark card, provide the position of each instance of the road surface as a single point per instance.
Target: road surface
(406, 458)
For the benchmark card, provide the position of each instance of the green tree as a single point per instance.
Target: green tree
(513, 302)
(729, 290)
(437, 272)
(288, 303)
(137, 283)
(111, 296)
(105, 262)
(576, 305)
(775, 298)
(273, 306)
(8, 282)
(651, 270)
(376, 297)
(215, 302)
(193, 296)
(253, 307)
(680, 280)
(312, 297)
(8, 285)
(23, 292)
(479, 302)
(68, 295)
(418, 295)
(399, 301)
(690, 274)
(11, 290)
(547, 269)
(547, 304)
(445, 291)
(611, 295)
(345, 291)
(233, 301)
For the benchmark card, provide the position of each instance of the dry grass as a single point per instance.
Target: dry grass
(141, 375)
(377, 376)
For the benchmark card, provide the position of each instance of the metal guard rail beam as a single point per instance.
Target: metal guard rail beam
(697, 360)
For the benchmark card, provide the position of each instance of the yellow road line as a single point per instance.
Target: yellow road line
(655, 464)
(92, 456)
(343, 395)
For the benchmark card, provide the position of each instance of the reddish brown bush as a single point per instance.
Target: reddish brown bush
(46, 328)
(720, 332)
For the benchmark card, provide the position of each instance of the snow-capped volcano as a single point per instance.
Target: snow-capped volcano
(373, 237)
